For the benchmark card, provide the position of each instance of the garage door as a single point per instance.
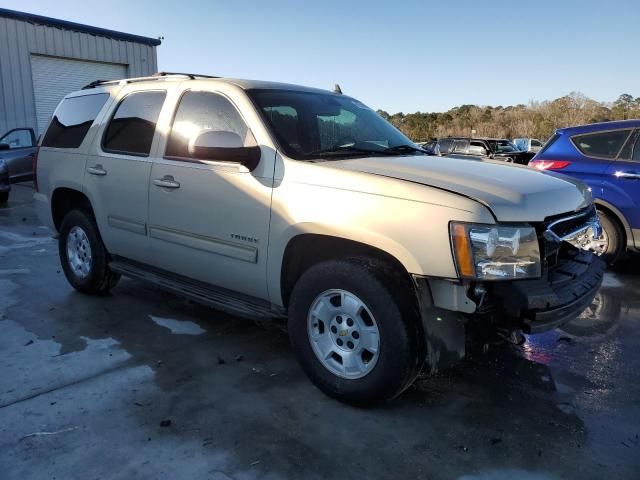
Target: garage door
(53, 78)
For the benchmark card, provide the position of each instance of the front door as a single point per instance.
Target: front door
(622, 183)
(209, 220)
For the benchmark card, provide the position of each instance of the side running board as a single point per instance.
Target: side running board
(216, 297)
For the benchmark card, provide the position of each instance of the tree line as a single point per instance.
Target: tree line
(535, 120)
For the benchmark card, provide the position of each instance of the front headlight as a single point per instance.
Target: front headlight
(495, 252)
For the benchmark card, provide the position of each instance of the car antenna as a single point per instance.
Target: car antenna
(337, 89)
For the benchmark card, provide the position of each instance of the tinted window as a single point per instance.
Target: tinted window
(72, 120)
(605, 144)
(131, 129)
(627, 151)
(535, 143)
(199, 112)
(635, 156)
(21, 138)
(503, 146)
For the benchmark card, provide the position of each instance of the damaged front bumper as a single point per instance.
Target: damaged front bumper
(543, 304)
(447, 308)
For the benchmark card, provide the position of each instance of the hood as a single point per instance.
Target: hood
(514, 193)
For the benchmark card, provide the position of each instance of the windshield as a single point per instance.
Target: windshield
(310, 125)
(503, 146)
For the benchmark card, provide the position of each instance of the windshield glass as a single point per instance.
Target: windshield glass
(310, 125)
(503, 146)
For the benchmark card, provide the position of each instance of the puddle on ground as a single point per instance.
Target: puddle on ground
(178, 327)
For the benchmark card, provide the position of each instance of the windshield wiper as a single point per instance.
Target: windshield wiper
(404, 149)
(346, 150)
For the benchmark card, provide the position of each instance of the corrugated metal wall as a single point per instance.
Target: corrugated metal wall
(19, 39)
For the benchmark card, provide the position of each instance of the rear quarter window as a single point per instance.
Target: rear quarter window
(601, 144)
(72, 120)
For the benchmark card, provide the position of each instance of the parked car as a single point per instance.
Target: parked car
(486, 148)
(5, 183)
(528, 144)
(17, 148)
(268, 199)
(605, 156)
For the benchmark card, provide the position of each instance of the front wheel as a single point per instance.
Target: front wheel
(610, 245)
(356, 338)
(83, 256)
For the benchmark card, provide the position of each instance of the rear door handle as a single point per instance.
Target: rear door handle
(166, 182)
(628, 175)
(97, 170)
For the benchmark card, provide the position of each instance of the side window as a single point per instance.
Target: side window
(603, 144)
(477, 148)
(133, 124)
(461, 146)
(636, 148)
(202, 112)
(445, 146)
(18, 138)
(535, 143)
(627, 151)
(72, 120)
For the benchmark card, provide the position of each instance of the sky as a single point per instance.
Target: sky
(396, 55)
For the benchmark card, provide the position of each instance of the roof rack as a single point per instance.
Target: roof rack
(155, 76)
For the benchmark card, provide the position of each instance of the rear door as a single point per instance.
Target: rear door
(621, 185)
(117, 171)
(18, 150)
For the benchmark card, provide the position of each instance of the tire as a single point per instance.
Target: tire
(614, 249)
(400, 354)
(4, 197)
(88, 270)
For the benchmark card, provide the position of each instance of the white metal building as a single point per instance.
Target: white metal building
(42, 59)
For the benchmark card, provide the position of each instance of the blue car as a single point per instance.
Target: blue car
(605, 156)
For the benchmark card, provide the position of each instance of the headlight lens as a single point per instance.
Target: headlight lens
(495, 252)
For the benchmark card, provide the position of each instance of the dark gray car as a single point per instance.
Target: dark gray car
(5, 184)
(17, 149)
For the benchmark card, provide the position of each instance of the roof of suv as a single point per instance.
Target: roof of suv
(242, 83)
(598, 127)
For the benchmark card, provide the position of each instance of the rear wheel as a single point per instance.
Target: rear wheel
(4, 197)
(610, 245)
(83, 256)
(355, 337)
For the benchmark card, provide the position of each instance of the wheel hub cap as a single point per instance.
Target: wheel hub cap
(79, 252)
(343, 334)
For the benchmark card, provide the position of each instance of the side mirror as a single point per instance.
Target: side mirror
(5, 146)
(223, 146)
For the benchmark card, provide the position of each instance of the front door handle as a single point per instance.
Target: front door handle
(166, 182)
(628, 175)
(97, 170)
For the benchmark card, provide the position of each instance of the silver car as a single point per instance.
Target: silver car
(268, 199)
